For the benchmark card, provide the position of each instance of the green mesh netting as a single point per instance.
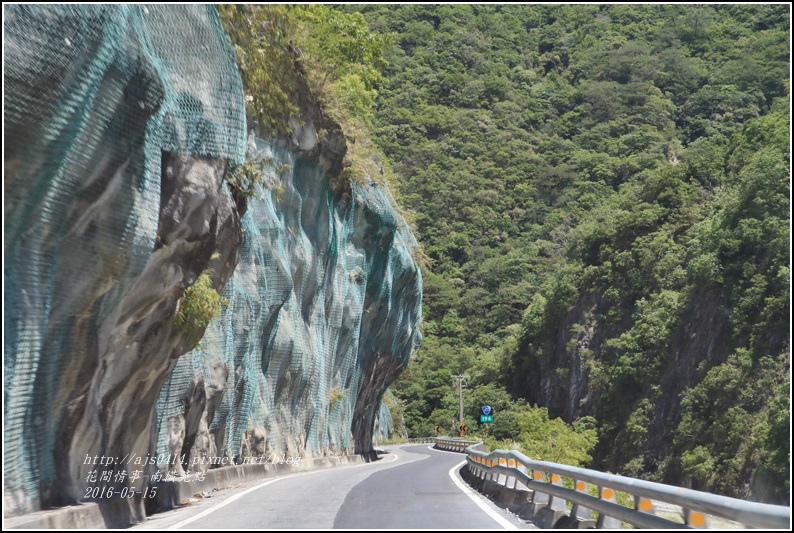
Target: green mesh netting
(384, 427)
(325, 283)
(93, 95)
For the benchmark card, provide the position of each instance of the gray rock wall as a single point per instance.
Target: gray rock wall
(105, 227)
(120, 123)
(323, 313)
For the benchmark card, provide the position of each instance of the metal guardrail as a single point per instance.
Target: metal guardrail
(453, 444)
(421, 440)
(547, 483)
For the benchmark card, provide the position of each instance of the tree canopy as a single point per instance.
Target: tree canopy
(603, 193)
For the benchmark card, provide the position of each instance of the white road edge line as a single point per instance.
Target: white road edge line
(237, 496)
(502, 521)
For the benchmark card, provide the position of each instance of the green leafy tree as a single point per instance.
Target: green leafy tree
(603, 195)
(551, 439)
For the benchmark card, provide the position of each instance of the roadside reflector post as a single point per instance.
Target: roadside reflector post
(557, 503)
(539, 498)
(579, 512)
(502, 479)
(523, 469)
(607, 522)
(511, 463)
(644, 505)
(695, 519)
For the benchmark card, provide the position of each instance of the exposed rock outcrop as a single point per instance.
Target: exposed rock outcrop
(562, 375)
(322, 316)
(120, 125)
(116, 148)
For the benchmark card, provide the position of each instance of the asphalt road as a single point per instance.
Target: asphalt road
(413, 487)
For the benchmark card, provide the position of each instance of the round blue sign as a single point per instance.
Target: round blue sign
(486, 409)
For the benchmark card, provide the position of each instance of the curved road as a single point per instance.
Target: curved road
(412, 487)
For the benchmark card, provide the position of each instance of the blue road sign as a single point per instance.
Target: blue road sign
(486, 409)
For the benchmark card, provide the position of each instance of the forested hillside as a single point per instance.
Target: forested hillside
(603, 194)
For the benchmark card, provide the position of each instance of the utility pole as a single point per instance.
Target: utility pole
(460, 393)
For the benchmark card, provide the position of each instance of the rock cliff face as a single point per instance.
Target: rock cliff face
(702, 336)
(322, 316)
(120, 125)
(565, 376)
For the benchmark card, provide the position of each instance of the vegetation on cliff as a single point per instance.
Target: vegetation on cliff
(334, 53)
(603, 192)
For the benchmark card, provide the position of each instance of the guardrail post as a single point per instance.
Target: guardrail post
(607, 522)
(523, 469)
(580, 512)
(695, 519)
(511, 463)
(539, 499)
(557, 503)
(548, 515)
(644, 505)
(501, 478)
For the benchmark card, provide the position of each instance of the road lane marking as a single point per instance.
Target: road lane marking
(239, 495)
(502, 521)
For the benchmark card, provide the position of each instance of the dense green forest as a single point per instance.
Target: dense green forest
(603, 196)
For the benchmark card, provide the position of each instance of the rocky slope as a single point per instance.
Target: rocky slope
(322, 316)
(120, 125)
